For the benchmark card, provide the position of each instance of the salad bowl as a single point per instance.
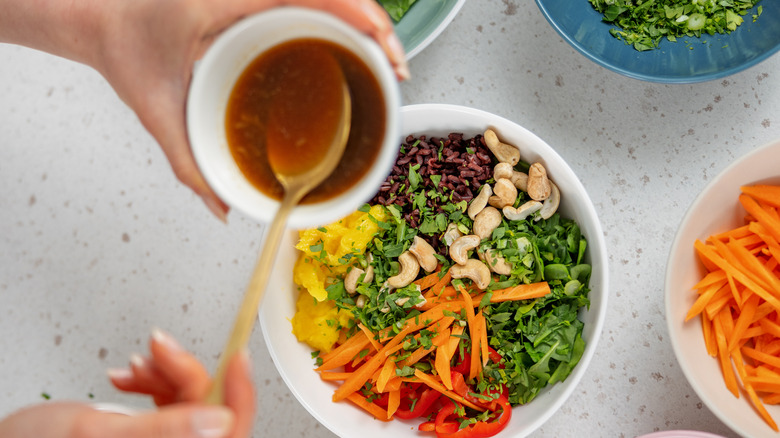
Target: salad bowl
(294, 360)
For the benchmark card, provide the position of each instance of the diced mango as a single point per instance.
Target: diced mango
(318, 323)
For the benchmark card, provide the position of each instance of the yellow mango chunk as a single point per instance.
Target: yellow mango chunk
(349, 235)
(318, 323)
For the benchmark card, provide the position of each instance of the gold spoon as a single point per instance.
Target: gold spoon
(297, 179)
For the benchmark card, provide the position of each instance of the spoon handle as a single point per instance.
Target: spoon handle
(247, 313)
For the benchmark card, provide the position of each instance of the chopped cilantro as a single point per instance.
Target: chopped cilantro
(644, 24)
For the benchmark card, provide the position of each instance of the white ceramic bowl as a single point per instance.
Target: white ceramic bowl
(293, 359)
(213, 81)
(716, 209)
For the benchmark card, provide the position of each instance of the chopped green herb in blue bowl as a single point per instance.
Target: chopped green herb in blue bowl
(669, 41)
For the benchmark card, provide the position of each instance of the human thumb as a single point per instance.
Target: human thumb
(179, 421)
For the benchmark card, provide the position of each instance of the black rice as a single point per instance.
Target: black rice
(464, 165)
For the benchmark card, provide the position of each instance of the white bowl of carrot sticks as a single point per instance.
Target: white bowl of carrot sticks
(723, 294)
(456, 330)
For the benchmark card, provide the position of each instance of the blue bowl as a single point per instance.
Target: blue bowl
(687, 60)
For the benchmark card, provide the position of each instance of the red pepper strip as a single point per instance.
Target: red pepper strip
(422, 407)
(442, 425)
(459, 383)
(480, 429)
(382, 400)
(464, 365)
(494, 356)
(494, 395)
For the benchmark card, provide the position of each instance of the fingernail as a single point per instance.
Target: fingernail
(137, 360)
(217, 208)
(213, 422)
(119, 374)
(165, 340)
(402, 72)
(243, 356)
(397, 56)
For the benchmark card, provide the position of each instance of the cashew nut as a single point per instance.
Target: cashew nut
(474, 270)
(503, 170)
(503, 152)
(550, 205)
(523, 211)
(409, 270)
(360, 302)
(505, 191)
(424, 253)
(539, 187)
(461, 246)
(486, 221)
(451, 234)
(495, 261)
(506, 170)
(352, 278)
(478, 203)
(369, 277)
(520, 180)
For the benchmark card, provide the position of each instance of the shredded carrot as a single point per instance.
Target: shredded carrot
(711, 278)
(393, 402)
(387, 372)
(763, 193)
(436, 385)
(734, 233)
(706, 297)
(344, 353)
(394, 384)
(483, 340)
(452, 346)
(442, 364)
(725, 362)
(743, 321)
(371, 337)
(520, 292)
(440, 287)
(768, 220)
(368, 406)
(424, 319)
(474, 367)
(709, 335)
(429, 280)
(361, 375)
(332, 375)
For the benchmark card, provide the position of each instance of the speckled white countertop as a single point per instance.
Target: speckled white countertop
(100, 242)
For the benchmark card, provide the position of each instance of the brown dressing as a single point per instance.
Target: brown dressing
(297, 79)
